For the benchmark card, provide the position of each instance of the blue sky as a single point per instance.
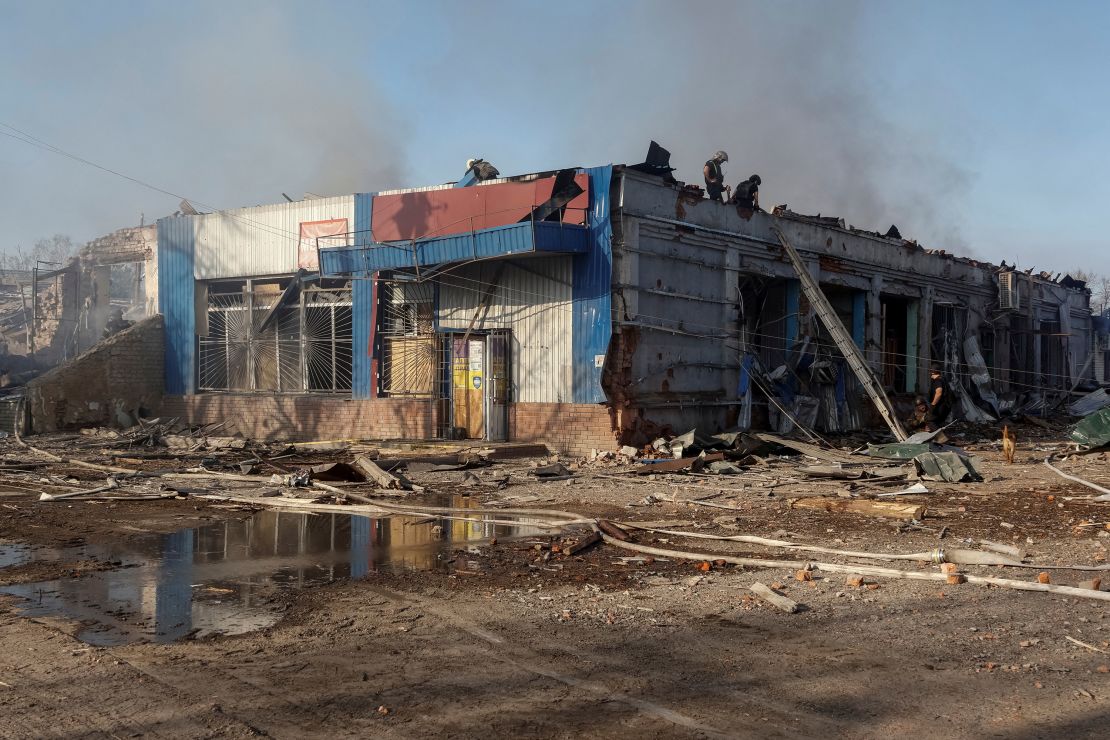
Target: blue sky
(976, 127)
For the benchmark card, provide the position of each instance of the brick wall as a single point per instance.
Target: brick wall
(121, 374)
(569, 428)
(304, 418)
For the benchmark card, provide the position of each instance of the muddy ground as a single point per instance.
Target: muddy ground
(505, 639)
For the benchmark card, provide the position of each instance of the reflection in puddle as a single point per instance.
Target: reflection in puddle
(223, 578)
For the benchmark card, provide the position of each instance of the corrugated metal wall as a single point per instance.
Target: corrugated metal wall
(363, 297)
(176, 300)
(593, 291)
(362, 314)
(261, 240)
(534, 300)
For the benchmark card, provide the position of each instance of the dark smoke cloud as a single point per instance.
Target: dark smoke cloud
(234, 103)
(230, 104)
(790, 89)
(786, 90)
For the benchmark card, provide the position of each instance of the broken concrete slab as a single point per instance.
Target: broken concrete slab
(774, 598)
(552, 472)
(691, 443)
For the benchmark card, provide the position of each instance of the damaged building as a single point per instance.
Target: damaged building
(584, 308)
(53, 320)
(54, 312)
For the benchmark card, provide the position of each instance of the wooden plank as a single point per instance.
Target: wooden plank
(867, 507)
(613, 530)
(774, 598)
(583, 544)
(515, 451)
(679, 465)
(375, 474)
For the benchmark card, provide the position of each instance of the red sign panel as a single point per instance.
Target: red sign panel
(307, 256)
(433, 213)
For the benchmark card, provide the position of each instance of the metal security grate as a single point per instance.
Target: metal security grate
(411, 365)
(307, 347)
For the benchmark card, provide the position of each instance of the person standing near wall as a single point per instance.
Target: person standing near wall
(940, 399)
(715, 176)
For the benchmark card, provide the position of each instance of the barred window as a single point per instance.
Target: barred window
(253, 340)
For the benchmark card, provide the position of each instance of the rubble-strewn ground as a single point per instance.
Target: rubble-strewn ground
(592, 645)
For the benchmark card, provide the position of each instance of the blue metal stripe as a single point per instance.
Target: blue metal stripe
(592, 277)
(176, 299)
(173, 586)
(554, 236)
(362, 305)
(499, 241)
(362, 298)
(467, 180)
(859, 318)
(360, 546)
(793, 306)
(364, 218)
(342, 261)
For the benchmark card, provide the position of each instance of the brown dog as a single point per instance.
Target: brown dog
(1007, 445)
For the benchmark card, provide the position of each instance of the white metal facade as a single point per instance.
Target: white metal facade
(260, 240)
(533, 298)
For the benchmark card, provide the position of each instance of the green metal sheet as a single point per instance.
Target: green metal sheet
(947, 466)
(1094, 430)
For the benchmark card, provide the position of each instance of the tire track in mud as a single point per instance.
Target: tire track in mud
(56, 687)
(530, 661)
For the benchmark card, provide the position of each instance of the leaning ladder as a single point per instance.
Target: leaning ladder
(843, 340)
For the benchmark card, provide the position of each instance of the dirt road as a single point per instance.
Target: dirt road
(597, 646)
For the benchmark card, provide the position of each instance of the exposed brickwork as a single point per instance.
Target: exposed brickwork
(569, 428)
(123, 373)
(286, 417)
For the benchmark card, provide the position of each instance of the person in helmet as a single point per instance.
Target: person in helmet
(482, 169)
(116, 322)
(920, 416)
(747, 193)
(715, 176)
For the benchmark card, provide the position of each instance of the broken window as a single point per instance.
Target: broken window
(1053, 360)
(410, 357)
(899, 343)
(305, 347)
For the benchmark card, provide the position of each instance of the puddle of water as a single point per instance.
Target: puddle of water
(14, 553)
(222, 578)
